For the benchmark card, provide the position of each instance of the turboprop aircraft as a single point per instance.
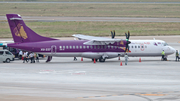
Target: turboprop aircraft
(90, 47)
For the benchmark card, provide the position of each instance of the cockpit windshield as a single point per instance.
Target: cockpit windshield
(165, 44)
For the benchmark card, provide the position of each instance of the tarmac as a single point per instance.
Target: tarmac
(63, 79)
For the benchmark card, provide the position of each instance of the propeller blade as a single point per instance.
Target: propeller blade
(128, 48)
(112, 35)
(128, 35)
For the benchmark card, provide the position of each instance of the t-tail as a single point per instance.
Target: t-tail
(20, 32)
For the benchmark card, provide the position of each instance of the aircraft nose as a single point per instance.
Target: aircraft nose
(172, 50)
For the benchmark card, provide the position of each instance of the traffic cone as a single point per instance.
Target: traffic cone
(81, 58)
(121, 63)
(94, 60)
(119, 58)
(139, 59)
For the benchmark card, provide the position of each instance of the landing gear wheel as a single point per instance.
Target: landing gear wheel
(8, 60)
(95, 59)
(101, 59)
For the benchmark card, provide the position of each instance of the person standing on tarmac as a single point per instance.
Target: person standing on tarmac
(177, 55)
(20, 54)
(75, 59)
(126, 58)
(25, 57)
(31, 55)
(37, 57)
(163, 54)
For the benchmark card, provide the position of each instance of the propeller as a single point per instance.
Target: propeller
(112, 34)
(127, 39)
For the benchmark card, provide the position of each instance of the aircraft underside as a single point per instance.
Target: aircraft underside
(96, 55)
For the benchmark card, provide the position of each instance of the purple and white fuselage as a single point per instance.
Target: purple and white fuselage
(89, 47)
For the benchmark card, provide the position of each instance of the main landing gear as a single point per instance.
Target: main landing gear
(100, 59)
(49, 59)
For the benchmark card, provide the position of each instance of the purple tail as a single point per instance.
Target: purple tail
(20, 32)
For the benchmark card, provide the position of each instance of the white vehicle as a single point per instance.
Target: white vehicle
(6, 56)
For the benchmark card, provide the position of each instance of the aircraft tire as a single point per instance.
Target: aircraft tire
(8, 60)
(95, 59)
(101, 59)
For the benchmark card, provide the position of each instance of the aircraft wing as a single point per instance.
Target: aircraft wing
(87, 37)
(96, 40)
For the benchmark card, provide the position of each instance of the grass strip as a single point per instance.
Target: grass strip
(67, 29)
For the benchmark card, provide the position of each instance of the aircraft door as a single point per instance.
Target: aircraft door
(142, 47)
(53, 49)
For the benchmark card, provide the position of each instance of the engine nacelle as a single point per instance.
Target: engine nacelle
(91, 55)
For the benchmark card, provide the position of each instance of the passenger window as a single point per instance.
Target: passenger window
(91, 47)
(66, 47)
(94, 47)
(98, 47)
(112, 47)
(80, 47)
(101, 47)
(105, 47)
(8, 53)
(132, 46)
(87, 47)
(84, 47)
(108, 47)
(138, 46)
(135, 46)
(70, 47)
(142, 47)
(73, 47)
(145, 46)
(76, 47)
(60, 46)
(1, 52)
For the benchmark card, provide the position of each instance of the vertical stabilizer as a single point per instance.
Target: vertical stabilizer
(20, 32)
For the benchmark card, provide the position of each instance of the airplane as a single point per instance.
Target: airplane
(98, 48)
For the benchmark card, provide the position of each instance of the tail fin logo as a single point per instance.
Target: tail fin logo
(19, 31)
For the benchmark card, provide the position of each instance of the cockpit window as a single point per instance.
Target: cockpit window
(165, 44)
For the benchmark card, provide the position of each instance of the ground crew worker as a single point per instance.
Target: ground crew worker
(20, 54)
(75, 59)
(126, 59)
(31, 55)
(25, 57)
(163, 54)
(37, 57)
(177, 55)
